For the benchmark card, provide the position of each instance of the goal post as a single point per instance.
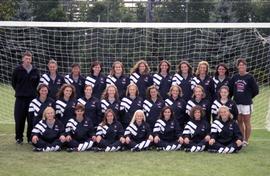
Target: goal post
(84, 42)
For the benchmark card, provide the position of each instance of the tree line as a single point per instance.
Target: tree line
(146, 11)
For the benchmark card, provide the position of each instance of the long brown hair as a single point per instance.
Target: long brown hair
(189, 67)
(60, 93)
(148, 96)
(105, 93)
(135, 68)
(104, 121)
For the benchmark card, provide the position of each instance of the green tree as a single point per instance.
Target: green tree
(7, 9)
(198, 10)
(24, 11)
(170, 11)
(109, 11)
(223, 12)
(262, 9)
(244, 10)
(140, 12)
(49, 10)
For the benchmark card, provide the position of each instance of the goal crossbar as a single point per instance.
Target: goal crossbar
(131, 25)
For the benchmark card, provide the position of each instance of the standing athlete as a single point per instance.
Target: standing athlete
(25, 79)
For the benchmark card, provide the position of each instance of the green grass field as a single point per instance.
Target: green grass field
(20, 160)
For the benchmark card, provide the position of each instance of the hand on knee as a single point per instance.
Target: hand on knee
(239, 143)
(186, 140)
(98, 139)
(156, 139)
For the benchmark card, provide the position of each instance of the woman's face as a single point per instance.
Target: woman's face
(203, 69)
(79, 113)
(49, 114)
(52, 68)
(242, 68)
(221, 71)
(167, 114)
(88, 91)
(96, 69)
(67, 92)
(118, 69)
(224, 93)
(111, 92)
(198, 93)
(175, 92)
(109, 117)
(184, 68)
(132, 91)
(43, 92)
(142, 68)
(139, 117)
(164, 67)
(153, 93)
(76, 71)
(197, 115)
(224, 114)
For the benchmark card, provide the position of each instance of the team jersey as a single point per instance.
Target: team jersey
(207, 84)
(115, 106)
(65, 110)
(185, 85)
(54, 85)
(37, 107)
(128, 107)
(98, 83)
(138, 133)
(225, 132)
(218, 84)
(230, 104)
(163, 84)
(196, 130)
(92, 109)
(80, 131)
(111, 132)
(204, 103)
(79, 84)
(121, 83)
(152, 110)
(142, 82)
(179, 110)
(43, 131)
(243, 88)
(167, 130)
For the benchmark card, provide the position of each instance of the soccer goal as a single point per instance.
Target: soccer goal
(82, 43)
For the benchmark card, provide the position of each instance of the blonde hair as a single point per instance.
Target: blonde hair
(227, 109)
(200, 64)
(105, 93)
(135, 68)
(135, 114)
(52, 61)
(134, 85)
(179, 89)
(112, 72)
(45, 111)
(199, 87)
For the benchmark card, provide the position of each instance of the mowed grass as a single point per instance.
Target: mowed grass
(21, 160)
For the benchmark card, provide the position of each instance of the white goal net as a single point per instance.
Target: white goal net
(83, 43)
